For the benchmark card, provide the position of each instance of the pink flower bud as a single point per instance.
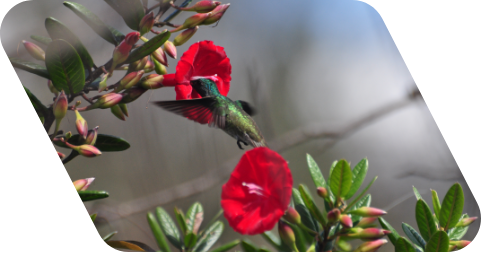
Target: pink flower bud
(132, 94)
(129, 80)
(85, 150)
(62, 156)
(287, 235)
(152, 81)
(371, 246)
(117, 112)
(192, 21)
(106, 101)
(149, 67)
(60, 106)
(184, 36)
(292, 216)
(68, 135)
(123, 107)
(132, 38)
(81, 125)
(466, 221)
(170, 49)
(368, 212)
(200, 7)
(451, 247)
(83, 184)
(366, 222)
(322, 192)
(460, 244)
(346, 221)
(366, 233)
(92, 136)
(333, 215)
(52, 88)
(121, 53)
(146, 23)
(159, 55)
(34, 50)
(216, 14)
(139, 64)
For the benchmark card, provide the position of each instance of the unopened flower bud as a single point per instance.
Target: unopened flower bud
(460, 244)
(81, 125)
(92, 136)
(287, 235)
(117, 112)
(61, 155)
(184, 36)
(322, 192)
(152, 81)
(85, 150)
(199, 7)
(52, 88)
(129, 80)
(139, 64)
(60, 106)
(123, 107)
(333, 215)
(371, 246)
(83, 184)
(466, 221)
(159, 68)
(34, 50)
(292, 216)
(366, 233)
(366, 222)
(368, 212)
(346, 221)
(132, 94)
(160, 56)
(68, 135)
(121, 53)
(192, 21)
(216, 14)
(170, 49)
(146, 23)
(106, 101)
(132, 38)
(451, 247)
(149, 66)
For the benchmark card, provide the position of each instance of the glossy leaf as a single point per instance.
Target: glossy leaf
(37, 105)
(93, 21)
(148, 47)
(436, 203)
(105, 143)
(190, 240)
(311, 206)
(300, 239)
(394, 235)
(424, 219)
(131, 11)
(452, 207)
(307, 219)
(365, 201)
(403, 245)
(57, 30)
(358, 174)
(30, 67)
(457, 233)
(273, 240)
(354, 202)
(248, 246)
(180, 217)
(413, 235)
(194, 217)
(169, 228)
(92, 195)
(93, 217)
(227, 246)
(416, 193)
(316, 173)
(157, 231)
(109, 236)
(439, 242)
(209, 237)
(130, 245)
(41, 39)
(341, 179)
(65, 67)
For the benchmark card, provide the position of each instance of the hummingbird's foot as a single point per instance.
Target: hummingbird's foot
(239, 144)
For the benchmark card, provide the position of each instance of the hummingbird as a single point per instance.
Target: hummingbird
(218, 111)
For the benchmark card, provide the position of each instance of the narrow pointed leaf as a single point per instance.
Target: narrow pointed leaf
(365, 201)
(341, 179)
(457, 233)
(452, 207)
(311, 206)
(37, 105)
(92, 195)
(65, 67)
(169, 228)
(394, 235)
(157, 231)
(273, 240)
(131, 11)
(416, 193)
(413, 235)
(93, 217)
(41, 39)
(300, 239)
(306, 218)
(436, 203)
(354, 202)
(194, 217)
(109, 236)
(248, 246)
(130, 245)
(424, 219)
(316, 173)
(209, 237)
(439, 242)
(148, 47)
(180, 217)
(93, 21)
(403, 245)
(358, 174)
(30, 67)
(190, 240)
(57, 30)
(105, 143)
(227, 246)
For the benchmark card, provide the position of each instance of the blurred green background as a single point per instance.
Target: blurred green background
(315, 64)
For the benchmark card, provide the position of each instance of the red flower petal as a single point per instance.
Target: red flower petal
(169, 80)
(258, 192)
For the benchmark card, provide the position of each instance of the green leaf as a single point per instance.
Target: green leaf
(227, 246)
(413, 235)
(209, 237)
(158, 234)
(403, 245)
(248, 246)
(316, 173)
(169, 228)
(394, 235)
(273, 240)
(180, 217)
(306, 217)
(452, 207)
(360, 195)
(130, 245)
(300, 239)
(416, 193)
(365, 201)
(358, 174)
(148, 47)
(194, 217)
(424, 219)
(41, 39)
(439, 242)
(436, 203)
(104, 142)
(37, 105)
(92, 195)
(65, 67)
(30, 67)
(457, 233)
(311, 206)
(131, 11)
(93, 217)
(93, 21)
(190, 240)
(109, 236)
(57, 30)
(341, 179)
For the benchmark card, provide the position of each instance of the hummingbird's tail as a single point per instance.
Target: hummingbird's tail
(261, 143)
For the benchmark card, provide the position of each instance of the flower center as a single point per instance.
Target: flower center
(254, 189)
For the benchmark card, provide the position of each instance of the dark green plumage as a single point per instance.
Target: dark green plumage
(218, 111)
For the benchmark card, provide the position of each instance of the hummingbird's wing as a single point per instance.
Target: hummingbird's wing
(203, 110)
(248, 108)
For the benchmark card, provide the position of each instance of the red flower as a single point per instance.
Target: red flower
(201, 59)
(258, 192)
